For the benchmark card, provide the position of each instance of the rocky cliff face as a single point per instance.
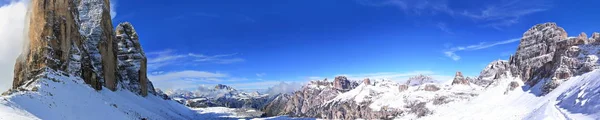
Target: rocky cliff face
(459, 79)
(307, 102)
(76, 37)
(496, 70)
(419, 80)
(342, 83)
(547, 55)
(132, 61)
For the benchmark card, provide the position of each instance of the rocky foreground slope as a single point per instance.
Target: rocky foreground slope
(545, 58)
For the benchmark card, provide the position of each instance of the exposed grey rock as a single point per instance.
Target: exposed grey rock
(220, 96)
(75, 38)
(403, 88)
(536, 51)
(303, 103)
(431, 87)
(499, 69)
(595, 39)
(546, 54)
(459, 79)
(419, 80)
(131, 61)
(224, 87)
(367, 81)
(342, 83)
(512, 86)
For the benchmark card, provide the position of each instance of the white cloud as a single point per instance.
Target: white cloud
(395, 76)
(184, 79)
(284, 87)
(160, 59)
(219, 59)
(255, 85)
(494, 14)
(260, 74)
(12, 37)
(443, 27)
(452, 51)
(113, 9)
(315, 78)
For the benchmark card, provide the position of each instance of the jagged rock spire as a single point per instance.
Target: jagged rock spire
(76, 37)
(132, 60)
(459, 79)
(60, 33)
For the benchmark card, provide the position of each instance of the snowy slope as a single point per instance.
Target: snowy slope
(60, 97)
(574, 99)
(64, 97)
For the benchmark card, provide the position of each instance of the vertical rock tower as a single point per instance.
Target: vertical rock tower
(76, 37)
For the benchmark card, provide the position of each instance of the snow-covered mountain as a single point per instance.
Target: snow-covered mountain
(77, 67)
(219, 96)
(551, 76)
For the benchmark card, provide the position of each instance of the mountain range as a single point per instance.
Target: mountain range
(76, 66)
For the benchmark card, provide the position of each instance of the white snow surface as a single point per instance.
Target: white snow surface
(386, 94)
(61, 97)
(575, 99)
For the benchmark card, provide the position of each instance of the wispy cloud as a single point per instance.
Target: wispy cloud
(260, 74)
(189, 79)
(452, 51)
(12, 37)
(395, 76)
(385, 75)
(494, 14)
(160, 59)
(443, 27)
(219, 59)
(507, 13)
(113, 9)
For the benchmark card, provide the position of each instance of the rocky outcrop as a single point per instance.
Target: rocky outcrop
(403, 88)
(305, 102)
(430, 87)
(346, 110)
(367, 81)
(59, 39)
(419, 80)
(536, 51)
(132, 60)
(342, 83)
(496, 70)
(459, 79)
(75, 37)
(512, 86)
(223, 87)
(595, 39)
(546, 55)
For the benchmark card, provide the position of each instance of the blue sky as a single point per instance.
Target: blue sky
(256, 44)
